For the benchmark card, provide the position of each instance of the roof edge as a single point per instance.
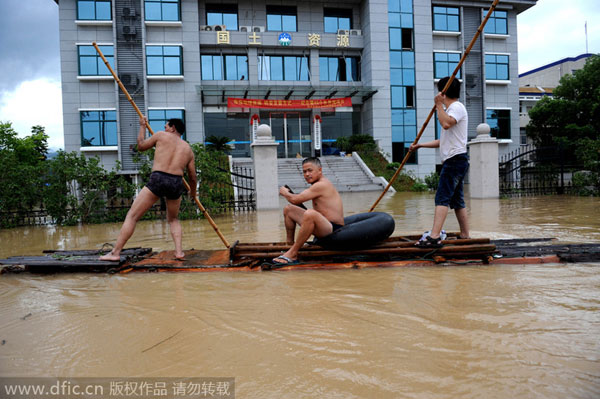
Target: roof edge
(567, 59)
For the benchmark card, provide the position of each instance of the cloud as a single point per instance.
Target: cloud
(555, 29)
(35, 102)
(29, 41)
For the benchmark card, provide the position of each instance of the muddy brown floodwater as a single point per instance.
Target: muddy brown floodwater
(518, 331)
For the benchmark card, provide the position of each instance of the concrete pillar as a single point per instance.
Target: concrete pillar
(483, 169)
(264, 156)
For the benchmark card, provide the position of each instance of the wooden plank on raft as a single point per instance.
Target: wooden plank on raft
(489, 248)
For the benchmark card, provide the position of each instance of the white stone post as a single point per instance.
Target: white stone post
(264, 156)
(483, 169)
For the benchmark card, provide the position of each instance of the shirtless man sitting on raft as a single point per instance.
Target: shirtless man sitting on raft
(326, 216)
(173, 155)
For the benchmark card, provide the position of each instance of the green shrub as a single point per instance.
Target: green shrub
(432, 180)
(586, 183)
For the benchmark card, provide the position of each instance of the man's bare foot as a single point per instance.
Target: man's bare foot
(180, 256)
(109, 256)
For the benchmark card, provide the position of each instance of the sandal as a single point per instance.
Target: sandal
(429, 242)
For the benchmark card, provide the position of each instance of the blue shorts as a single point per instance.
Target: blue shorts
(450, 187)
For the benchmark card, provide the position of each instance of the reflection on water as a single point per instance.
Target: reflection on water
(440, 332)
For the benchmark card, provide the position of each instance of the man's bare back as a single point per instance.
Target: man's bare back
(173, 155)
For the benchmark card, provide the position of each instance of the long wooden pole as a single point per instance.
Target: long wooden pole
(186, 184)
(462, 60)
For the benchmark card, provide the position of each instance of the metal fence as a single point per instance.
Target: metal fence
(236, 194)
(536, 171)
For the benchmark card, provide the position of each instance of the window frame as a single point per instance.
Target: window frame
(349, 62)
(99, 62)
(95, 10)
(162, 3)
(496, 63)
(99, 121)
(497, 128)
(434, 13)
(223, 9)
(281, 11)
(298, 68)
(493, 18)
(450, 65)
(337, 13)
(164, 120)
(223, 66)
(163, 56)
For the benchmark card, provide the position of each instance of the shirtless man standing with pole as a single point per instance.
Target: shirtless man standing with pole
(326, 216)
(173, 155)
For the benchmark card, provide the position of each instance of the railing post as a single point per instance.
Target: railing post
(483, 169)
(264, 157)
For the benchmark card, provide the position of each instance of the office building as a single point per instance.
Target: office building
(313, 70)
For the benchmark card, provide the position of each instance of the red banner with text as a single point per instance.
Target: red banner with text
(288, 104)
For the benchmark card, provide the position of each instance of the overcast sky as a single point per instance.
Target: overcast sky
(30, 64)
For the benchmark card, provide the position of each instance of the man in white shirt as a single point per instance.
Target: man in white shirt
(453, 117)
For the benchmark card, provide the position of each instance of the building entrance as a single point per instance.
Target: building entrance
(292, 131)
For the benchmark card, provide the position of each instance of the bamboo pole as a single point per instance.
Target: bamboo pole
(185, 183)
(462, 60)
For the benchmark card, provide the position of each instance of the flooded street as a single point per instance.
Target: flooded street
(520, 331)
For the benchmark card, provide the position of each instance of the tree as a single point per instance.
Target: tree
(572, 118)
(22, 165)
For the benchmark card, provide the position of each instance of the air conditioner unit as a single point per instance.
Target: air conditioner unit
(128, 12)
(245, 29)
(219, 28)
(343, 32)
(355, 32)
(129, 79)
(258, 29)
(129, 30)
(206, 27)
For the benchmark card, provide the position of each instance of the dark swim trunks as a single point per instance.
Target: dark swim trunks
(166, 185)
(336, 226)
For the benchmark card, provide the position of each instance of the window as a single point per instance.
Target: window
(94, 10)
(281, 18)
(401, 38)
(235, 126)
(446, 19)
(400, 13)
(222, 14)
(90, 63)
(224, 67)
(336, 18)
(157, 118)
(162, 10)
(499, 121)
(98, 128)
(399, 151)
(339, 69)
(402, 68)
(496, 67)
(283, 68)
(164, 60)
(445, 64)
(497, 24)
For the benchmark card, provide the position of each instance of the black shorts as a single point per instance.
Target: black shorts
(336, 226)
(166, 185)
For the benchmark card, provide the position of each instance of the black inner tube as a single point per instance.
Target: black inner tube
(360, 231)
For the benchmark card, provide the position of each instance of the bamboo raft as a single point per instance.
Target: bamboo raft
(396, 251)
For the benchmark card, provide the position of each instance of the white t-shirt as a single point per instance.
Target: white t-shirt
(454, 140)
